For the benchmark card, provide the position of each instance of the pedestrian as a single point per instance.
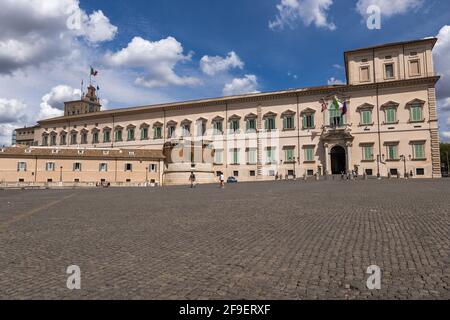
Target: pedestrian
(222, 180)
(192, 179)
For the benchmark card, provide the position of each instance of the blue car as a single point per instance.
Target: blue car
(232, 180)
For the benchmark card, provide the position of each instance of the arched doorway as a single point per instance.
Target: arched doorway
(338, 160)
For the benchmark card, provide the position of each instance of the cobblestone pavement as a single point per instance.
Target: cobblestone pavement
(271, 240)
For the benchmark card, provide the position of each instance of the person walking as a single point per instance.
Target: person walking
(222, 180)
(192, 179)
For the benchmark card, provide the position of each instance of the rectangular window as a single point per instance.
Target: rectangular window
(53, 140)
(419, 150)
(73, 138)
(368, 153)
(365, 74)
(22, 166)
(336, 118)
(128, 167)
(369, 172)
(309, 154)
(251, 156)
(158, 133)
(171, 132)
(50, 166)
(392, 151)
(234, 126)
(107, 136)
(308, 121)
(414, 68)
(130, 135)
(77, 167)
(389, 71)
(186, 130)
(95, 137)
(391, 115)
(144, 133)
(218, 127)
(270, 124)
(420, 172)
(153, 168)
(252, 173)
(289, 155)
(63, 139)
(119, 135)
(366, 117)
(235, 156)
(84, 138)
(270, 154)
(251, 125)
(235, 173)
(218, 156)
(288, 123)
(103, 167)
(416, 113)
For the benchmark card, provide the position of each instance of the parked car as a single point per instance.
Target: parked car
(232, 180)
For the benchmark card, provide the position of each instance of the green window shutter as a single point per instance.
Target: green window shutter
(313, 121)
(247, 125)
(390, 115)
(266, 124)
(419, 151)
(305, 122)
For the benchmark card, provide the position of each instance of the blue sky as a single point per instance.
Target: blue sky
(170, 50)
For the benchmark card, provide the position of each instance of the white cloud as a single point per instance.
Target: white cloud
(442, 66)
(12, 114)
(53, 102)
(38, 31)
(389, 8)
(158, 59)
(248, 84)
(213, 65)
(310, 12)
(334, 81)
(95, 27)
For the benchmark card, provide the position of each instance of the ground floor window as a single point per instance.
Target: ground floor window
(251, 156)
(310, 172)
(392, 151)
(77, 166)
(419, 151)
(368, 153)
(50, 166)
(218, 156)
(153, 168)
(393, 172)
(236, 173)
(309, 153)
(103, 167)
(128, 167)
(291, 173)
(420, 172)
(369, 172)
(252, 173)
(21, 166)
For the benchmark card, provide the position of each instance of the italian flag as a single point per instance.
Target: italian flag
(94, 72)
(336, 104)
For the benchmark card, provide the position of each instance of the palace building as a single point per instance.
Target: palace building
(382, 122)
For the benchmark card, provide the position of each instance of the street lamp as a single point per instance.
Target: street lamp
(60, 174)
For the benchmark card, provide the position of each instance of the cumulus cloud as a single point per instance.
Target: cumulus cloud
(212, 65)
(38, 31)
(442, 65)
(334, 81)
(248, 84)
(12, 114)
(389, 8)
(310, 12)
(157, 59)
(53, 102)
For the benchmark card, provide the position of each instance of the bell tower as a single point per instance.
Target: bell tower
(89, 103)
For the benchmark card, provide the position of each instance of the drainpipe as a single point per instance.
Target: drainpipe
(35, 169)
(298, 129)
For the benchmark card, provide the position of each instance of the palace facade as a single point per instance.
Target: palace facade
(390, 125)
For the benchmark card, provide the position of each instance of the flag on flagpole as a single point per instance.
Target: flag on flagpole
(336, 104)
(94, 72)
(344, 108)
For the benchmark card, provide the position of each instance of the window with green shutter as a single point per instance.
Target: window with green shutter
(419, 151)
(251, 156)
(391, 115)
(308, 121)
(235, 156)
(416, 113)
(158, 133)
(289, 155)
(392, 152)
(119, 135)
(309, 154)
(270, 155)
(130, 134)
(234, 126)
(251, 125)
(368, 153)
(288, 123)
(270, 124)
(366, 117)
(144, 133)
(107, 136)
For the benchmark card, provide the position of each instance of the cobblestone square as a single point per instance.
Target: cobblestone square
(268, 240)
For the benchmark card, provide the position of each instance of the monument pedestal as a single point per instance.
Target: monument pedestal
(179, 173)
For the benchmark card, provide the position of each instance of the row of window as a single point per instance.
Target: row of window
(390, 114)
(389, 70)
(77, 167)
(270, 155)
(392, 154)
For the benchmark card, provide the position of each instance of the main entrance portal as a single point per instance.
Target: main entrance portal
(338, 160)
